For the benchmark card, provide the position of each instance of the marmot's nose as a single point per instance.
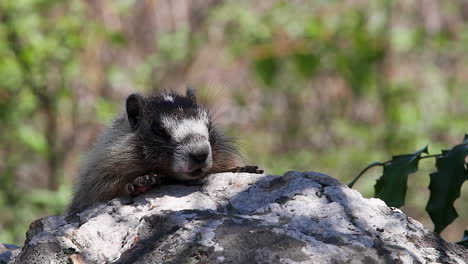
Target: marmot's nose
(199, 157)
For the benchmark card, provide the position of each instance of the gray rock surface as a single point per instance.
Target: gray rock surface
(6, 251)
(239, 218)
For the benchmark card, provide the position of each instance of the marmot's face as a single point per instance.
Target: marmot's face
(175, 135)
(188, 129)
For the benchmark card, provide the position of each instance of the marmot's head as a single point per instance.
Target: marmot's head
(173, 133)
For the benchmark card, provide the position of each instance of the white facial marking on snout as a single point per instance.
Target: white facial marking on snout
(184, 165)
(179, 129)
(191, 135)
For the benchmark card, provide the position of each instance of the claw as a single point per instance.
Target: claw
(248, 169)
(130, 188)
(140, 181)
(142, 184)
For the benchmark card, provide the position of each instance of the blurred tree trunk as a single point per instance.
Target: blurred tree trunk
(50, 109)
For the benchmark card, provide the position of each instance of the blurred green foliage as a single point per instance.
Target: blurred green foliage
(18, 212)
(315, 85)
(38, 59)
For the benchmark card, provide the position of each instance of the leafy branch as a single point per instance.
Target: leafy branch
(376, 163)
(445, 183)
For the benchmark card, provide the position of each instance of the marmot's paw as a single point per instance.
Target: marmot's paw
(249, 169)
(143, 184)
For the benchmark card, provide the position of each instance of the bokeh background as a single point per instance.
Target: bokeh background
(328, 86)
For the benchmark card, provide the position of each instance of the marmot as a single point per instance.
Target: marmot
(160, 136)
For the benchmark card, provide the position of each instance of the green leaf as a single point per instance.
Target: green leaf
(267, 69)
(391, 186)
(118, 39)
(445, 185)
(32, 138)
(105, 110)
(306, 63)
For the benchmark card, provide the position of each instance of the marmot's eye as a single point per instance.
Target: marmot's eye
(159, 130)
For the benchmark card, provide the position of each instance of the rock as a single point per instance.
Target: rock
(239, 218)
(6, 251)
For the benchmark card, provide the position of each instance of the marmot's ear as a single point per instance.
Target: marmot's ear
(191, 93)
(134, 108)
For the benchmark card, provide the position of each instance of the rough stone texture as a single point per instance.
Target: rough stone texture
(6, 251)
(239, 218)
